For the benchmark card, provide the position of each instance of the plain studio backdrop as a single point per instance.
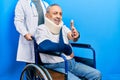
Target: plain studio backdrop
(98, 21)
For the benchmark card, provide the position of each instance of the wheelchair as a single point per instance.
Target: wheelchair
(36, 71)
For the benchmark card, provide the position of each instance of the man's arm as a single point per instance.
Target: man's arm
(48, 46)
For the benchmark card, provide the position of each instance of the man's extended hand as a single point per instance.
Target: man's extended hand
(75, 33)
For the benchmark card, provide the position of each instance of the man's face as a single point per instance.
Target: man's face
(55, 14)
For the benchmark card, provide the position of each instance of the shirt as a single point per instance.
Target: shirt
(43, 33)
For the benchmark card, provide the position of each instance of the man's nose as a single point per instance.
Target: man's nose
(59, 16)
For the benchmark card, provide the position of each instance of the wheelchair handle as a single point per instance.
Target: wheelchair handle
(32, 38)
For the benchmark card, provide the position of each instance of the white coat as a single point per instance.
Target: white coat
(26, 21)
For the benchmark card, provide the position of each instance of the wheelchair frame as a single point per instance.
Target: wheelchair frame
(38, 72)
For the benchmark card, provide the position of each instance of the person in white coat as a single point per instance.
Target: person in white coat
(26, 21)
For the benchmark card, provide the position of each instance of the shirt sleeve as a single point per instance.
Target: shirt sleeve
(67, 30)
(41, 34)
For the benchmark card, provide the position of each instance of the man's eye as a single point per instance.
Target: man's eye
(61, 14)
(55, 13)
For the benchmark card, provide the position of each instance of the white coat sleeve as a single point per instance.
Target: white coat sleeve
(19, 19)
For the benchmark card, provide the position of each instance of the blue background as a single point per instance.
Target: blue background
(98, 21)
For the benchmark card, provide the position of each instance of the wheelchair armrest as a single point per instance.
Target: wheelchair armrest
(86, 46)
(81, 45)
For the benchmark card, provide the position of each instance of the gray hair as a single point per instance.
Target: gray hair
(48, 8)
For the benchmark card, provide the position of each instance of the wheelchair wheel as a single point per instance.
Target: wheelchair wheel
(35, 72)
